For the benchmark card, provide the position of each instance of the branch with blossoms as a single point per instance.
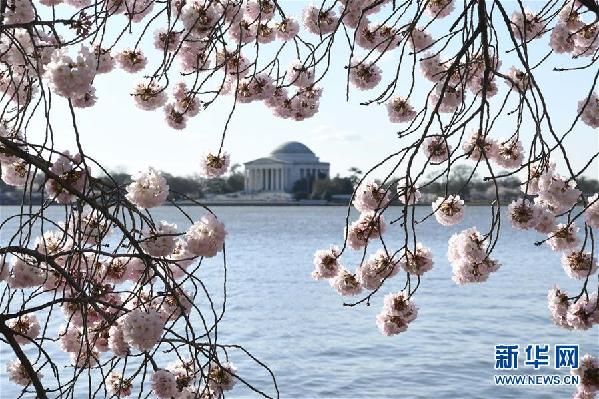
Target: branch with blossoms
(127, 285)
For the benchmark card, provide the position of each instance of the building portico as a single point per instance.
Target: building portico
(287, 164)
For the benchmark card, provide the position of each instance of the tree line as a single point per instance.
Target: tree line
(329, 189)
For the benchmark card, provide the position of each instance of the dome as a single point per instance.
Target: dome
(292, 147)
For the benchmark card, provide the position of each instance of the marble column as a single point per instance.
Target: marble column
(279, 179)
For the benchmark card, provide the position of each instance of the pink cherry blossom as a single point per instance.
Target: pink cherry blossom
(15, 173)
(588, 372)
(287, 29)
(558, 304)
(71, 170)
(379, 266)
(320, 22)
(561, 39)
(559, 194)
(591, 214)
(546, 221)
(586, 40)
(149, 95)
(104, 60)
(589, 110)
(563, 237)
(583, 313)
(260, 9)
(519, 80)
(436, 149)
(116, 270)
(215, 165)
(142, 329)
(25, 273)
(164, 384)
(439, 8)
(523, 215)
(346, 283)
(26, 328)
(132, 61)
(137, 10)
(18, 374)
(181, 258)
(185, 101)
(326, 264)
(70, 339)
(118, 386)
(116, 341)
(221, 377)
(449, 211)
(479, 145)
(398, 311)
(510, 154)
(149, 189)
(369, 226)
(408, 193)
(299, 74)
(432, 67)
(71, 77)
(166, 40)
(175, 118)
(448, 99)
(420, 39)
(416, 262)
(364, 75)
(370, 196)
(206, 237)
(526, 26)
(87, 100)
(578, 264)
(400, 110)
(469, 260)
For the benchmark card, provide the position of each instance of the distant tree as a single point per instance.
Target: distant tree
(326, 188)
(183, 186)
(301, 189)
(588, 186)
(121, 178)
(215, 186)
(236, 179)
(355, 175)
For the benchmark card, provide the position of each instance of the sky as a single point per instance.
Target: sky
(125, 138)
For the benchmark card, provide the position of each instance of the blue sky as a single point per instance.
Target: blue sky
(124, 137)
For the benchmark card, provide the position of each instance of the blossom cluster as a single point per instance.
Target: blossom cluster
(469, 259)
(118, 304)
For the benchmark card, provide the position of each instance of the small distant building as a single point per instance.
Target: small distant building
(286, 164)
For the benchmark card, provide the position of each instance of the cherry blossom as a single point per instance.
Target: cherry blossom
(563, 237)
(578, 264)
(416, 262)
(26, 328)
(215, 165)
(449, 211)
(326, 264)
(164, 384)
(149, 189)
(346, 283)
(142, 329)
(18, 374)
(206, 237)
(436, 149)
(370, 197)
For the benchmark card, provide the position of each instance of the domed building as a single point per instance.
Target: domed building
(286, 164)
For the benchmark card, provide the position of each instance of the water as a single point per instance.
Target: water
(319, 349)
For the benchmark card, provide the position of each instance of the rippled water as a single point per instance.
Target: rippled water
(320, 349)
